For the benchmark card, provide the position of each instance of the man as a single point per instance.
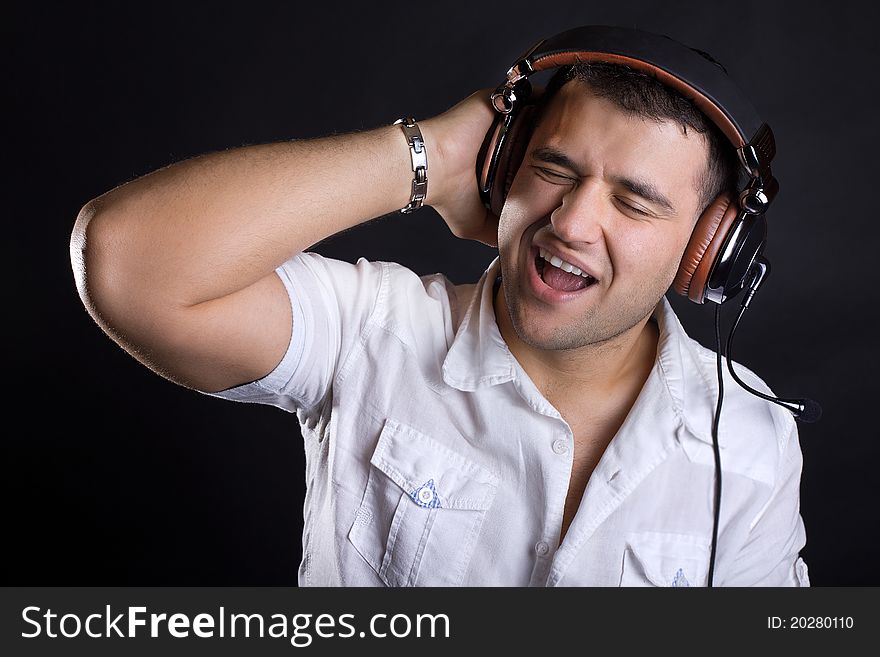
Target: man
(546, 425)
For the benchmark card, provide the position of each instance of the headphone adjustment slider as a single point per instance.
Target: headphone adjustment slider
(756, 198)
(756, 155)
(504, 96)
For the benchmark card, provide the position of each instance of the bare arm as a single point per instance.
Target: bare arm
(178, 265)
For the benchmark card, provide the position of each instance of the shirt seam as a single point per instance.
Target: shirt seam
(676, 408)
(351, 357)
(784, 460)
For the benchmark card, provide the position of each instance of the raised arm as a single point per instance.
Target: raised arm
(178, 266)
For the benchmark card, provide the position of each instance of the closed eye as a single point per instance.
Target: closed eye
(557, 176)
(553, 174)
(633, 208)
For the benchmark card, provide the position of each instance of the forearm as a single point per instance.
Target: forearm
(206, 227)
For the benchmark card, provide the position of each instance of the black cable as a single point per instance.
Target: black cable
(734, 375)
(805, 410)
(715, 442)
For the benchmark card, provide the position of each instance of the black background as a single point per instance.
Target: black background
(114, 476)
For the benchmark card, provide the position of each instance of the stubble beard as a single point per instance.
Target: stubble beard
(591, 328)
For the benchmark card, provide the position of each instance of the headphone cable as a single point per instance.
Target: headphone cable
(715, 441)
(761, 269)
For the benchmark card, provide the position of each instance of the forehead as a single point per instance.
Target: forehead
(601, 138)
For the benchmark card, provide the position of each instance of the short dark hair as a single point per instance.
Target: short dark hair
(644, 95)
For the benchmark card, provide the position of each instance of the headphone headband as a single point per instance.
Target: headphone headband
(702, 81)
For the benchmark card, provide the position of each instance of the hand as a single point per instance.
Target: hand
(453, 140)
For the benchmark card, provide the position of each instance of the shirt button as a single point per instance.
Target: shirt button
(542, 548)
(426, 495)
(560, 446)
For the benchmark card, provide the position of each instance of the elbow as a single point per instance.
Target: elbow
(98, 281)
(82, 253)
(112, 282)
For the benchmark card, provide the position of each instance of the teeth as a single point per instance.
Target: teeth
(562, 264)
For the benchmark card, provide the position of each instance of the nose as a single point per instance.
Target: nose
(581, 215)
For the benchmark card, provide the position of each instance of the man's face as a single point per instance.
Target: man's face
(586, 212)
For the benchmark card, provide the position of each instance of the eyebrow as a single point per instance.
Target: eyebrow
(643, 188)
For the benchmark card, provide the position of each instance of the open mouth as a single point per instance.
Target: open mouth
(560, 275)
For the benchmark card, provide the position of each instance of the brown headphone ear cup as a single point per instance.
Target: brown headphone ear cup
(703, 247)
(511, 155)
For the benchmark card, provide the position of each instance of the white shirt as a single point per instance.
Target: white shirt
(432, 458)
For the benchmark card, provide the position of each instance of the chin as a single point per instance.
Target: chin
(545, 331)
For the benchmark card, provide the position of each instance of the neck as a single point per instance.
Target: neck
(613, 370)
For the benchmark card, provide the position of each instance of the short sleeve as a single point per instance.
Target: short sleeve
(771, 555)
(332, 302)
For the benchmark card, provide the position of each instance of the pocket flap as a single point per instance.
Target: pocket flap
(665, 559)
(418, 464)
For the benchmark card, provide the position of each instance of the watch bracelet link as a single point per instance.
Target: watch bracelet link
(419, 157)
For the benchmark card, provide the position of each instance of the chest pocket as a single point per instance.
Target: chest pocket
(665, 559)
(422, 510)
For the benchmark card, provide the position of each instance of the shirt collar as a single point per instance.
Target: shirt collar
(479, 357)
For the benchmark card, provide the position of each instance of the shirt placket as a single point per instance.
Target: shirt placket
(553, 445)
(556, 448)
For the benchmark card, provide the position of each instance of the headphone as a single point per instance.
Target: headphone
(728, 236)
(724, 255)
